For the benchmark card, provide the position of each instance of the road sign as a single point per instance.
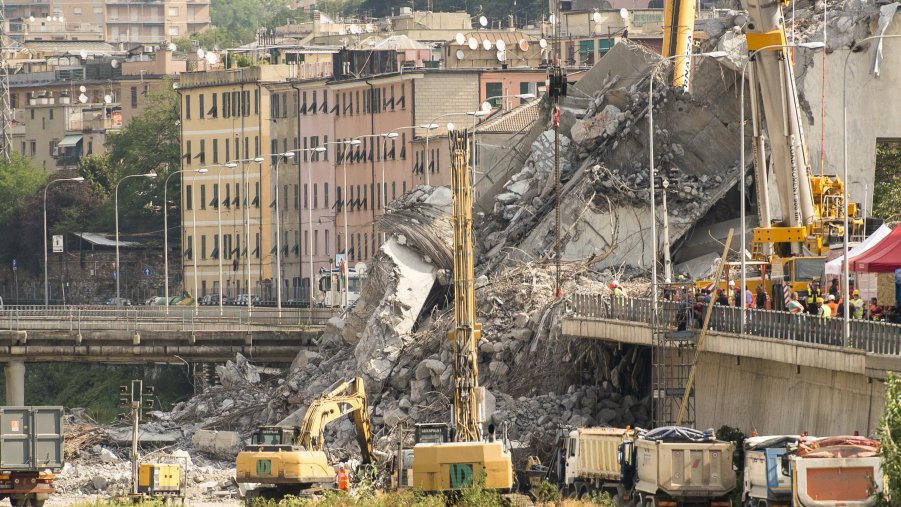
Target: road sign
(15, 267)
(148, 271)
(57, 243)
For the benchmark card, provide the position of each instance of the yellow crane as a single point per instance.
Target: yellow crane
(286, 460)
(470, 457)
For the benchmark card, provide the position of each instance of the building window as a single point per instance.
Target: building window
(188, 152)
(203, 247)
(76, 11)
(190, 252)
(325, 195)
(134, 96)
(295, 197)
(227, 152)
(202, 196)
(202, 109)
(173, 12)
(328, 246)
(316, 242)
(189, 197)
(226, 106)
(215, 151)
(187, 107)
(494, 90)
(202, 151)
(215, 202)
(315, 195)
(213, 112)
(306, 197)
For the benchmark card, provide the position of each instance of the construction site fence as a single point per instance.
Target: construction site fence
(129, 317)
(871, 336)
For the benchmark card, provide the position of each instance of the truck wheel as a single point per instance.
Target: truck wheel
(583, 492)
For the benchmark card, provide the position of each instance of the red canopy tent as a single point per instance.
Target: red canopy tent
(884, 257)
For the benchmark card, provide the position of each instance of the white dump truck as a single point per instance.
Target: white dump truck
(766, 482)
(587, 461)
(835, 472)
(675, 466)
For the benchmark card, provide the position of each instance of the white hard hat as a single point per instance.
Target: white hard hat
(831, 297)
(731, 283)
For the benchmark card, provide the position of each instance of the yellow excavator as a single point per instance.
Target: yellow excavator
(289, 460)
(470, 457)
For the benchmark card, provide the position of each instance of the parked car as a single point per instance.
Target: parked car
(241, 300)
(118, 302)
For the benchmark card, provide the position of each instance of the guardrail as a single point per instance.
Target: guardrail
(156, 318)
(870, 336)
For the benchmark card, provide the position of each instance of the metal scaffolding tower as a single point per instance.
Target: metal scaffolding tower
(6, 114)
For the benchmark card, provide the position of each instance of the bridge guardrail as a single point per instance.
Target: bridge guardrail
(870, 336)
(156, 317)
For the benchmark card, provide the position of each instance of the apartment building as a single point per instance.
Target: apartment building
(127, 21)
(226, 222)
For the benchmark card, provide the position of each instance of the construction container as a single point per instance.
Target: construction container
(31, 438)
(158, 478)
(684, 469)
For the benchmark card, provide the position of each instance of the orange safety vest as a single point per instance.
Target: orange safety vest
(343, 480)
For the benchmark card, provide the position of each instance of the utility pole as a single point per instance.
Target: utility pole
(6, 115)
(136, 398)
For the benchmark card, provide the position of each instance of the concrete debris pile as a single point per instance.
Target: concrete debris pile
(605, 195)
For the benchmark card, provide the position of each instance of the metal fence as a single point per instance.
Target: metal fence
(870, 336)
(158, 318)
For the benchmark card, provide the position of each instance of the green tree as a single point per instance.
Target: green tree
(98, 173)
(890, 438)
(887, 187)
(18, 181)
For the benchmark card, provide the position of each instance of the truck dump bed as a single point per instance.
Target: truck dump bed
(684, 469)
(594, 452)
(31, 438)
(837, 471)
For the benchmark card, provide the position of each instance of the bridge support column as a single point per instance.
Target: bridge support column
(15, 383)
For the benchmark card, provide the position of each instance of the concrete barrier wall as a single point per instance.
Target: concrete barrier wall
(779, 398)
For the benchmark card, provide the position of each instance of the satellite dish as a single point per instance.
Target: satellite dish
(49, 18)
(486, 44)
(460, 54)
(82, 98)
(473, 43)
(31, 19)
(543, 43)
(171, 46)
(523, 45)
(211, 58)
(107, 99)
(200, 53)
(82, 88)
(596, 17)
(114, 63)
(483, 21)
(624, 13)
(83, 54)
(460, 38)
(501, 45)
(61, 19)
(501, 56)
(552, 19)
(486, 106)
(451, 127)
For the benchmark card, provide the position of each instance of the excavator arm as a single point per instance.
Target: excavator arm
(346, 398)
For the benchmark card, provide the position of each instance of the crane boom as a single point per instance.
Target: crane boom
(466, 331)
(678, 36)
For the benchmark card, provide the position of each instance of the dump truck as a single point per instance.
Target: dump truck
(289, 460)
(843, 471)
(765, 483)
(675, 466)
(587, 461)
(31, 452)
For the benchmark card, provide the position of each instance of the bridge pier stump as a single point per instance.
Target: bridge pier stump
(15, 383)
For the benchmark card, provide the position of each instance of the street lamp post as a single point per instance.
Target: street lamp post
(221, 243)
(151, 174)
(78, 179)
(346, 268)
(741, 164)
(318, 149)
(667, 260)
(846, 278)
(166, 233)
(258, 160)
(278, 233)
(712, 54)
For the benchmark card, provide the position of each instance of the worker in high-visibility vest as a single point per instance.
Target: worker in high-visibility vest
(343, 479)
(856, 305)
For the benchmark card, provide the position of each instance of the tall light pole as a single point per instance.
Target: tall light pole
(278, 232)
(667, 261)
(166, 232)
(651, 171)
(78, 179)
(221, 243)
(741, 164)
(318, 149)
(258, 160)
(846, 278)
(151, 174)
(346, 268)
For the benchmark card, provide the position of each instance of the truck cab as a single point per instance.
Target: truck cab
(766, 483)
